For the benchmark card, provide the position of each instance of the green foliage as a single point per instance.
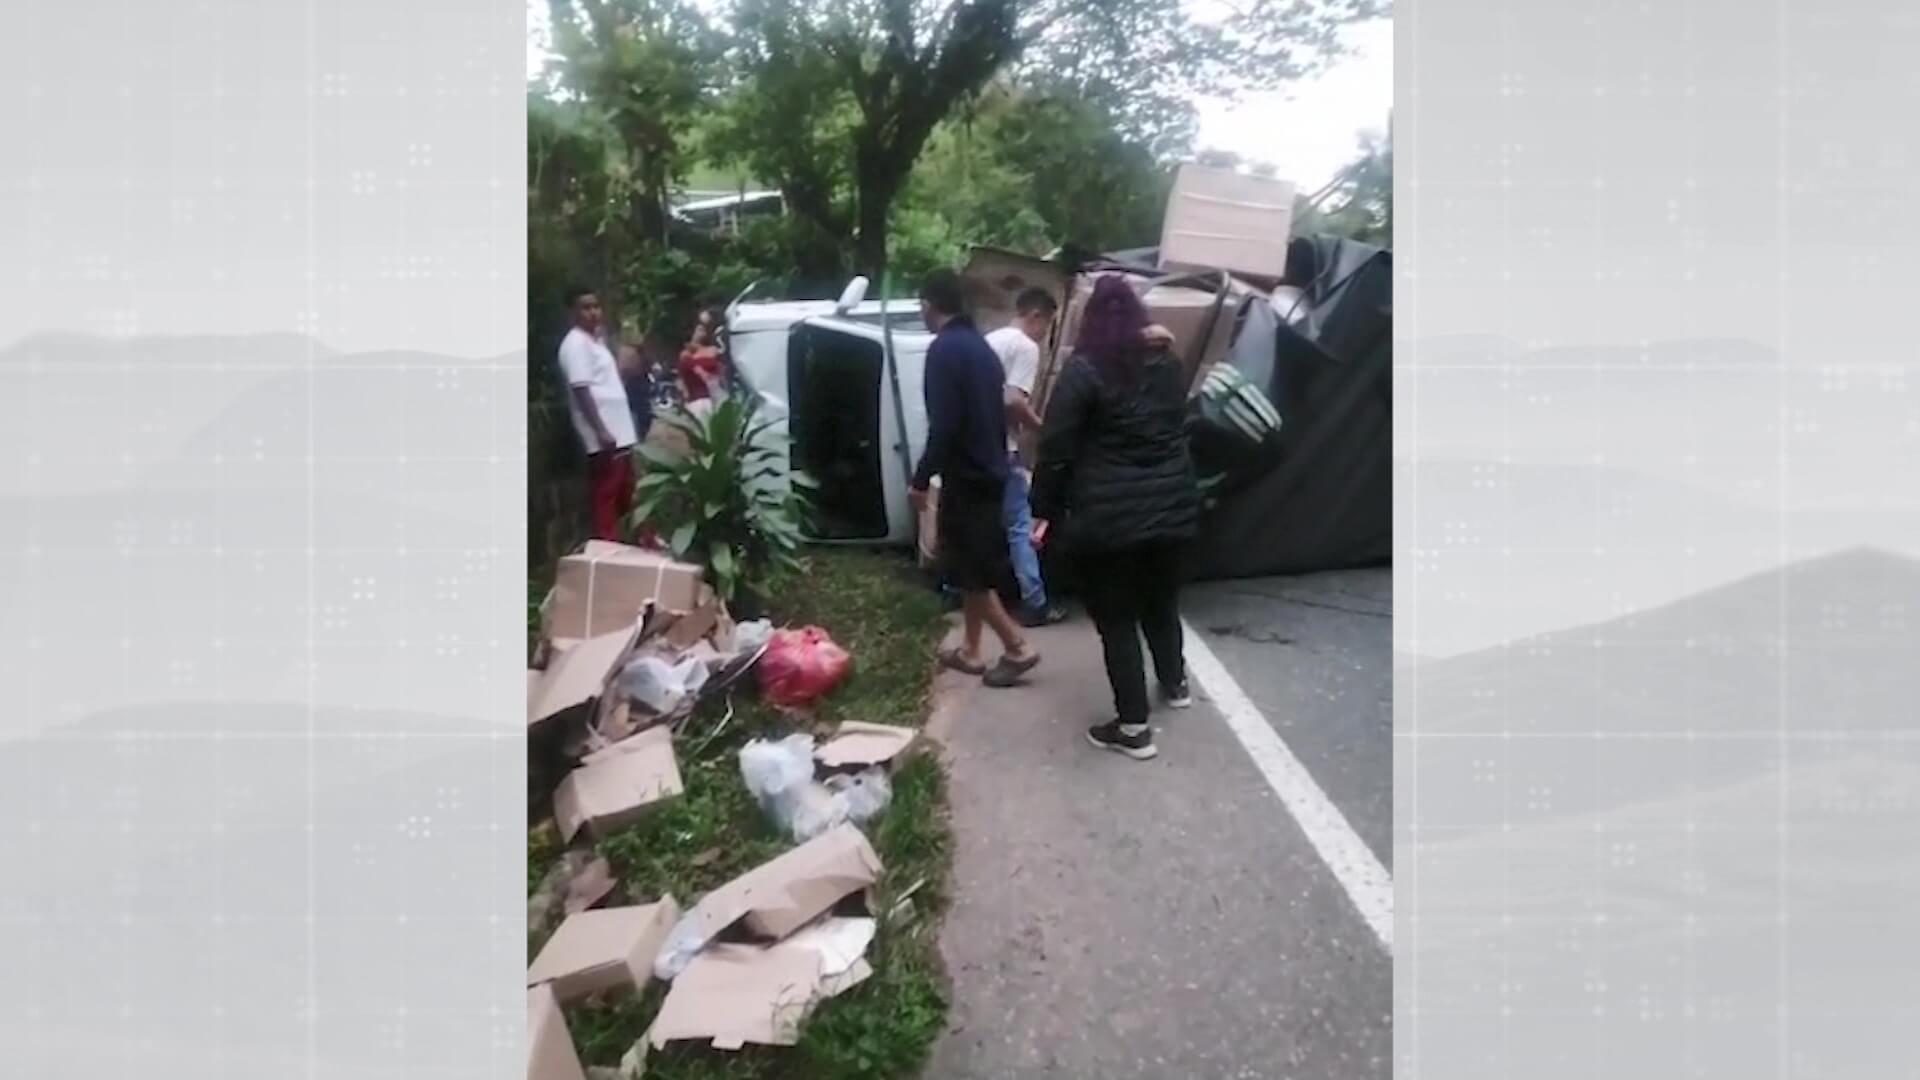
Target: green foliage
(721, 504)
(1029, 172)
(1095, 188)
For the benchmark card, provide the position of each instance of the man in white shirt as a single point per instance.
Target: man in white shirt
(1018, 346)
(597, 401)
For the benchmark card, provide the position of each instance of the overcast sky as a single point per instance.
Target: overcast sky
(1309, 130)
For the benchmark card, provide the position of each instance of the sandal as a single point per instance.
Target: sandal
(1007, 671)
(955, 660)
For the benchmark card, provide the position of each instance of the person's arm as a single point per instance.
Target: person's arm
(942, 414)
(1023, 370)
(1060, 438)
(577, 366)
(1020, 410)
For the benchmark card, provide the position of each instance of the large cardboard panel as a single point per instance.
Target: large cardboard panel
(732, 995)
(1218, 219)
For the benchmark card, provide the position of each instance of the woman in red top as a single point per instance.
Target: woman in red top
(702, 371)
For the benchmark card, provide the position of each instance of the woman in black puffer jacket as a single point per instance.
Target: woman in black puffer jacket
(1114, 467)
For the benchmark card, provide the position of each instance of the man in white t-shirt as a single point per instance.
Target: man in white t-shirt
(597, 401)
(1018, 346)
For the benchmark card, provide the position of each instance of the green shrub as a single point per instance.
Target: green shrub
(721, 504)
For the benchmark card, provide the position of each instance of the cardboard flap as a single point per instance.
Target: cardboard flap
(699, 624)
(550, 1053)
(578, 676)
(603, 948)
(835, 985)
(787, 892)
(841, 943)
(861, 744)
(651, 740)
(617, 783)
(732, 995)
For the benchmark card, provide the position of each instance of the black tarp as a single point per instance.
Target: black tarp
(1326, 502)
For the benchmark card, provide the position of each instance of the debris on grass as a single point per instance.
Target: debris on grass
(875, 1007)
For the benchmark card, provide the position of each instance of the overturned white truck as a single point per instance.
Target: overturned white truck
(846, 377)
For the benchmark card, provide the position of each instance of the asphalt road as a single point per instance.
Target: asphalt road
(1120, 919)
(1315, 653)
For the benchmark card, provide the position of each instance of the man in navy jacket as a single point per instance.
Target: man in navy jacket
(967, 449)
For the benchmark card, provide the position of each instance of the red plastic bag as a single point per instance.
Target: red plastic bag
(802, 666)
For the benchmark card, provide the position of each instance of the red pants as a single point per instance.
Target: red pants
(610, 487)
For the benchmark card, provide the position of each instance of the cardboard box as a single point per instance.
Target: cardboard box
(578, 678)
(732, 995)
(785, 893)
(616, 785)
(858, 745)
(603, 949)
(550, 1053)
(1218, 219)
(608, 586)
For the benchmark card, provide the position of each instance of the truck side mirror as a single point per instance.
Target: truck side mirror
(851, 296)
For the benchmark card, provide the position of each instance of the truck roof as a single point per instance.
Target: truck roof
(747, 318)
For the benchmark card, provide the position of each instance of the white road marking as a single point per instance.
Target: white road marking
(1367, 883)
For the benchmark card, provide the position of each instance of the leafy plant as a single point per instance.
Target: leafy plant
(722, 503)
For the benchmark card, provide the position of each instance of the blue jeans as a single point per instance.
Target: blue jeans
(1018, 511)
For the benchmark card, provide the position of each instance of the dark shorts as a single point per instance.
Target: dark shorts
(973, 537)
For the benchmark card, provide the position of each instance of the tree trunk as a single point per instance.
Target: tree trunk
(877, 191)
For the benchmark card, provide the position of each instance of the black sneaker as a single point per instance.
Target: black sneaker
(1177, 696)
(1035, 618)
(1136, 743)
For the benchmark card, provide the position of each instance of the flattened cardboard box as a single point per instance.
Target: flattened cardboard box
(603, 949)
(615, 786)
(732, 995)
(550, 1053)
(578, 678)
(609, 586)
(785, 893)
(858, 744)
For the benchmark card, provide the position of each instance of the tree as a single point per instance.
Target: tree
(1358, 202)
(862, 85)
(645, 69)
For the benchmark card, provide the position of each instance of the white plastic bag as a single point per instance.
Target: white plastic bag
(779, 776)
(865, 794)
(772, 769)
(663, 688)
(749, 639)
(683, 943)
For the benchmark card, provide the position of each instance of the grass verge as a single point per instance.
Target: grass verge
(884, 1028)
